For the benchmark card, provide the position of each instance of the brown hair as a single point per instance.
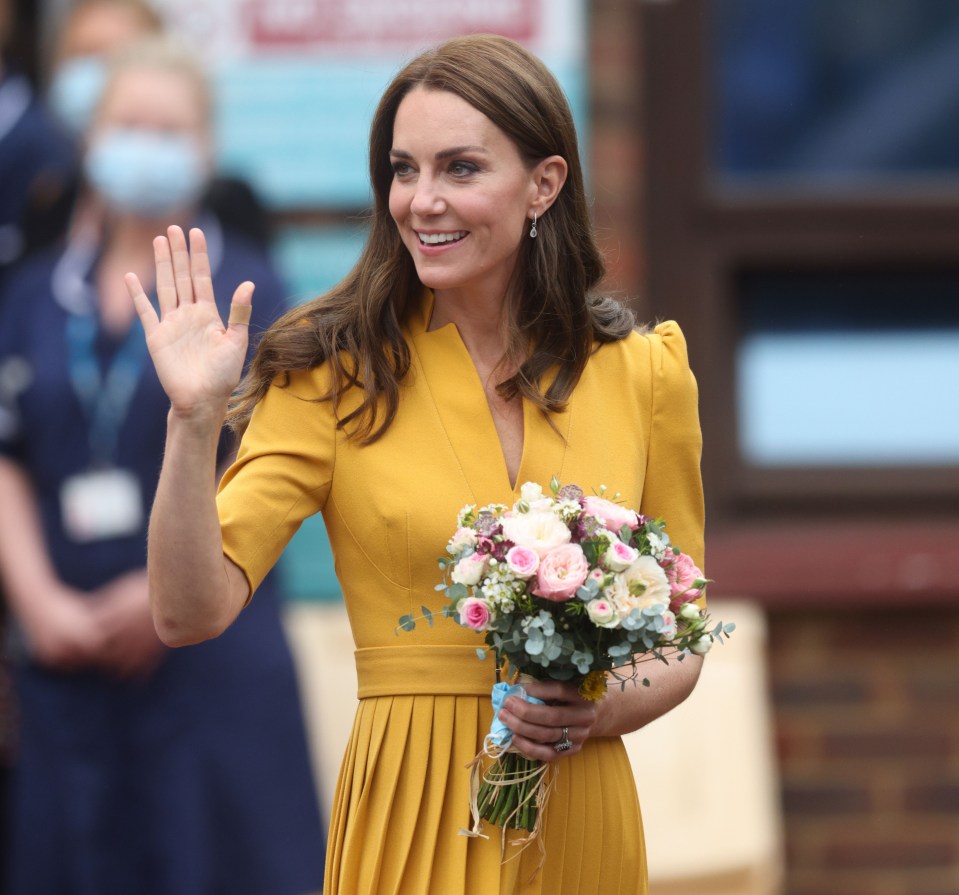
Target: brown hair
(552, 319)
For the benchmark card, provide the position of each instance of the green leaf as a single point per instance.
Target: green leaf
(407, 623)
(480, 653)
(457, 591)
(645, 681)
(427, 615)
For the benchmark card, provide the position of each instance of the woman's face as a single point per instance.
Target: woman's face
(461, 196)
(148, 152)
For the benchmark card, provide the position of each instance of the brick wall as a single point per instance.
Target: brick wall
(868, 733)
(866, 706)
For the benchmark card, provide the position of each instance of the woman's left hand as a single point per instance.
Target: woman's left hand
(537, 729)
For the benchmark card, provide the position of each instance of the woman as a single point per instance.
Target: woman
(464, 355)
(139, 769)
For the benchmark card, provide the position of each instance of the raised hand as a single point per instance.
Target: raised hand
(198, 359)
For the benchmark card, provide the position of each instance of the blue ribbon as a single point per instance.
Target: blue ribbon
(499, 734)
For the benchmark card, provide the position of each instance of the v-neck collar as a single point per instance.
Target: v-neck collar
(459, 398)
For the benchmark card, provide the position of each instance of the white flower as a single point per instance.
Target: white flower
(469, 570)
(690, 611)
(466, 515)
(602, 613)
(531, 491)
(701, 646)
(539, 530)
(657, 545)
(646, 580)
(463, 539)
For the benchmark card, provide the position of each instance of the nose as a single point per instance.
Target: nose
(427, 198)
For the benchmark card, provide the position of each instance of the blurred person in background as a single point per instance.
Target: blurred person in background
(86, 34)
(89, 31)
(36, 158)
(139, 770)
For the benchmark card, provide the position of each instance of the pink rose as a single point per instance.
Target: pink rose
(612, 515)
(681, 573)
(522, 561)
(620, 556)
(475, 613)
(561, 572)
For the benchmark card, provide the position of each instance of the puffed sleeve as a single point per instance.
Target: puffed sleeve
(281, 475)
(673, 486)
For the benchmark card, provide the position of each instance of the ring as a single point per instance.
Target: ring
(564, 742)
(240, 314)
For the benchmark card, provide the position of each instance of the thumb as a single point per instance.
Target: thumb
(241, 305)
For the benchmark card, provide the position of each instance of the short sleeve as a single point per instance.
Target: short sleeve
(673, 486)
(281, 475)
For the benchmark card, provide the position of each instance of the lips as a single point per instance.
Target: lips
(434, 239)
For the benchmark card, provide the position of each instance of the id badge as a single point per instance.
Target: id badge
(105, 503)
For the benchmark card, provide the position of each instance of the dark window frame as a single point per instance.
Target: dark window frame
(770, 530)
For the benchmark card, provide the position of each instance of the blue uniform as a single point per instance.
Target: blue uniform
(37, 160)
(196, 781)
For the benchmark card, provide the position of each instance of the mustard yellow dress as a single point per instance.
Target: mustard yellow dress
(389, 508)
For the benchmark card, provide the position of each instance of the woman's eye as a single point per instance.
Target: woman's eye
(400, 169)
(462, 169)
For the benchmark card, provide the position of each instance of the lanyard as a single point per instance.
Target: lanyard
(105, 399)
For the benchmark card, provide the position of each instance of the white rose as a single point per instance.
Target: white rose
(602, 613)
(689, 611)
(469, 570)
(647, 581)
(539, 530)
(701, 646)
(531, 491)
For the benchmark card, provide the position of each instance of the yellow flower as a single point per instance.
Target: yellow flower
(593, 686)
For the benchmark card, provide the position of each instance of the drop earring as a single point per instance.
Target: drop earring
(532, 230)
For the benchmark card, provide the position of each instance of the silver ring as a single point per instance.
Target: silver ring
(564, 742)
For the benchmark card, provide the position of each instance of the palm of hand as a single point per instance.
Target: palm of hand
(197, 359)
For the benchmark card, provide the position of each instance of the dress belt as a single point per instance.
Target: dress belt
(423, 670)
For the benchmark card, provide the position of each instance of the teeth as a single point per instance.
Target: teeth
(432, 239)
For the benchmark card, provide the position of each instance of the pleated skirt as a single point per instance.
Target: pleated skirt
(403, 796)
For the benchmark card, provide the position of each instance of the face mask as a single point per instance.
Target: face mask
(146, 172)
(75, 91)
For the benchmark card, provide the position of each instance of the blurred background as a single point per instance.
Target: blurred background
(782, 177)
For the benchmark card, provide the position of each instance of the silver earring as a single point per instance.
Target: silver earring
(532, 230)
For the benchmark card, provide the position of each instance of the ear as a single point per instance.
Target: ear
(548, 178)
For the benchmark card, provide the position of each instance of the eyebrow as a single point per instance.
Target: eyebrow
(442, 154)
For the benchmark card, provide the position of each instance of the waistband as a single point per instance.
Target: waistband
(423, 670)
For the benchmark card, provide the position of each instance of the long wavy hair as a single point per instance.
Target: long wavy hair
(552, 320)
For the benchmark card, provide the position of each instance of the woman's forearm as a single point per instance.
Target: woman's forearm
(25, 568)
(195, 591)
(628, 708)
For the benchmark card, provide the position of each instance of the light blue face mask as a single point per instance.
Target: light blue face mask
(146, 173)
(75, 91)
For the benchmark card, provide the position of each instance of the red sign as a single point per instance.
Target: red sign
(389, 24)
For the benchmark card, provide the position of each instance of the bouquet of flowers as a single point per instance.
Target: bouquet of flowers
(571, 587)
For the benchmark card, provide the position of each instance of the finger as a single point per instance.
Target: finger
(144, 307)
(166, 284)
(549, 732)
(543, 751)
(241, 306)
(200, 267)
(181, 264)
